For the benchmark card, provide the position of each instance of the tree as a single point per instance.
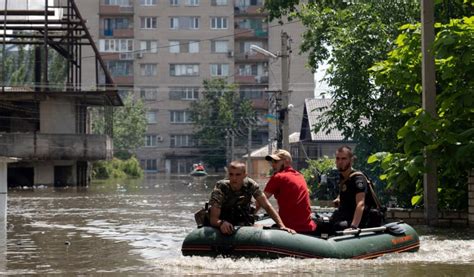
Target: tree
(449, 137)
(129, 126)
(219, 112)
(351, 36)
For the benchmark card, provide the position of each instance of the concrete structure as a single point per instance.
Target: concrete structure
(163, 50)
(44, 117)
(3, 210)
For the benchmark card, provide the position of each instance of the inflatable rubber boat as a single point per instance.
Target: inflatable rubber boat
(266, 242)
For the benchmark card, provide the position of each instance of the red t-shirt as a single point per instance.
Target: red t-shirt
(291, 192)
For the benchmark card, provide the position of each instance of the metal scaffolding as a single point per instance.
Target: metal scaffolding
(58, 27)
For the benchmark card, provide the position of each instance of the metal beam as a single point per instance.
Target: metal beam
(25, 12)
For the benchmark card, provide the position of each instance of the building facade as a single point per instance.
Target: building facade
(44, 119)
(161, 51)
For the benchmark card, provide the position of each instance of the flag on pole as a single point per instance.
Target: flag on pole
(271, 118)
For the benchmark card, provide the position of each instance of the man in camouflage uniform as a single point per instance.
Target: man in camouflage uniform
(231, 201)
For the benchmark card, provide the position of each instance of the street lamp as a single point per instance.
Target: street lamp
(262, 51)
(283, 143)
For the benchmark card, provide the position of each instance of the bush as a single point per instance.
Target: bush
(117, 169)
(312, 175)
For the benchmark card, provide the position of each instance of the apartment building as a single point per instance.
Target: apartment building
(162, 50)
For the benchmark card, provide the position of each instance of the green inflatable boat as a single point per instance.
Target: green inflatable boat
(274, 243)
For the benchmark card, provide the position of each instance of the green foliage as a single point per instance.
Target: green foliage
(117, 169)
(351, 36)
(58, 71)
(448, 137)
(129, 126)
(221, 109)
(315, 169)
(355, 37)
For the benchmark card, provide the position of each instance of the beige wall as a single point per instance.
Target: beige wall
(58, 116)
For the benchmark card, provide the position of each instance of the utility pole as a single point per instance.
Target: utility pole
(285, 124)
(430, 181)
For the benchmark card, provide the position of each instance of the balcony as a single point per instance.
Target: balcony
(260, 104)
(123, 80)
(250, 33)
(31, 146)
(115, 10)
(249, 10)
(117, 33)
(250, 56)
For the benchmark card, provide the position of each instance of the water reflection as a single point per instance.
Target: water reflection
(138, 226)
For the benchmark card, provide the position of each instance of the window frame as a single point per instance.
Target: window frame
(218, 22)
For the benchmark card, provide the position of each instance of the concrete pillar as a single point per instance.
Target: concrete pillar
(470, 193)
(3, 210)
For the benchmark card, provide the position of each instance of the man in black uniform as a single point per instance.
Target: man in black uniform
(231, 201)
(353, 188)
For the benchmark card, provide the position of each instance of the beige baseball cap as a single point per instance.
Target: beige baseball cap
(279, 155)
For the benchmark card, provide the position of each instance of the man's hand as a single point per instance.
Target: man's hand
(289, 230)
(226, 228)
(336, 202)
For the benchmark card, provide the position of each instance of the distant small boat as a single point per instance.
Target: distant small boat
(198, 173)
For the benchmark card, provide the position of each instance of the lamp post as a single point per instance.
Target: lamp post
(283, 140)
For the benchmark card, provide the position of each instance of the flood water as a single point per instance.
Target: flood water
(137, 227)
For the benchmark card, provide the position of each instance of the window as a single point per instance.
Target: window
(123, 3)
(150, 141)
(183, 46)
(245, 47)
(149, 46)
(116, 45)
(182, 141)
(150, 165)
(111, 24)
(219, 69)
(148, 2)
(220, 46)
(194, 47)
(219, 2)
(218, 22)
(184, 22)
(252, 93)
(192, 2)
(174, 22)
(174, 2)
(174, 46)
(180, 117)
(248, 70)
(148, 69)
(151, 117)
(148, 22)
(184, 70)
(148, 94)
(184, 93)
(120, 68)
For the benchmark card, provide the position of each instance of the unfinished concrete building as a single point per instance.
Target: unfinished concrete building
(46, 93)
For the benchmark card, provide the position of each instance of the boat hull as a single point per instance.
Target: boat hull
(198, 173)
(274, 243)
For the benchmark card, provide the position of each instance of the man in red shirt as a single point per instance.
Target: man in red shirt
(291, 191)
